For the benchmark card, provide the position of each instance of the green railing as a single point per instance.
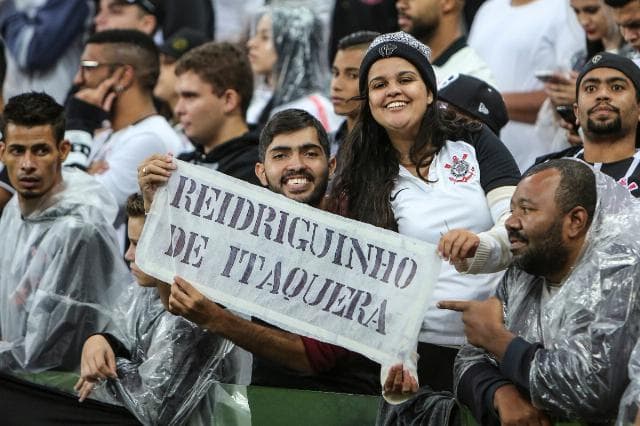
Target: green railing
(276, 406)
(268, 406)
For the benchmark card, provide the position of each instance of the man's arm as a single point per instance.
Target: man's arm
(85, 111)
(524, 106)
(276, 345)
(515, 409)
(585, 376)
(483, 324)
(490, 396)
(484, 328)
(479, 383)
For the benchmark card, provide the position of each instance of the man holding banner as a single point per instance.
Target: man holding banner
(294, 162)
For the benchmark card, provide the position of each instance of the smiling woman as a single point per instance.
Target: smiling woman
(398, 97)
(430, 174)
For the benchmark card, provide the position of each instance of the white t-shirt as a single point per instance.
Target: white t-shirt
(125, 149)
(317, 105)
(454, 198)
(516, 41)
(261, 96)
(465, 61)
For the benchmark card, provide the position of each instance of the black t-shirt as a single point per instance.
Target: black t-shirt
(236, 157)
(626, 172)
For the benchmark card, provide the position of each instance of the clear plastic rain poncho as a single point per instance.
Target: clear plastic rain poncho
(60, 271)
(630, 402)
(589, 327)
(298, 39)
(172, 362)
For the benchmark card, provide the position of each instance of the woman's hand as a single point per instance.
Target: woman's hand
(457, 245)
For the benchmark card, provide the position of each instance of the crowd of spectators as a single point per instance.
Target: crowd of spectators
(502, 132)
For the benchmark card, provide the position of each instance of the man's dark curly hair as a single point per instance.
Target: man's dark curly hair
(34, 109)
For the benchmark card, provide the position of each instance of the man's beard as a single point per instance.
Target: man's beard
(316, 195)
(608, 128)
(30, 195)
(546, 257)
(424, 31)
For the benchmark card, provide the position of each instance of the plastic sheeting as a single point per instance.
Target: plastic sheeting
(588, 328)
(630, 401)
(172, 363)
(298, 39)
(427, 408)
(60, 269)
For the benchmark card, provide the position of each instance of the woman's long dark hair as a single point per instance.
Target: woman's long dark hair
(593, 47)
(368, 164)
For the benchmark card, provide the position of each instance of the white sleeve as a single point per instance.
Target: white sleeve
(493, 254)
(121, 179)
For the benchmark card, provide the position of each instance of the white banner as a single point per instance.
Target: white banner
(299, 268)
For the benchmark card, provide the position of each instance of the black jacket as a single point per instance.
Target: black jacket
(236, 157)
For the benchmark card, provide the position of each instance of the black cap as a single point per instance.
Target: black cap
(476, 98)
(150, 6)
(402, 45)
(610, 60)
(182, 41)
(617, 3)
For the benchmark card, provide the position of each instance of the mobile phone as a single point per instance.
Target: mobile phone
(545, 75)
(549, 76)
(566, 112)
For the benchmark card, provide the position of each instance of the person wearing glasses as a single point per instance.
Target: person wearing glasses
(117, 74)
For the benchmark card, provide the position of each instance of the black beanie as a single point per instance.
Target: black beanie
(401, 45)
(610, 60)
